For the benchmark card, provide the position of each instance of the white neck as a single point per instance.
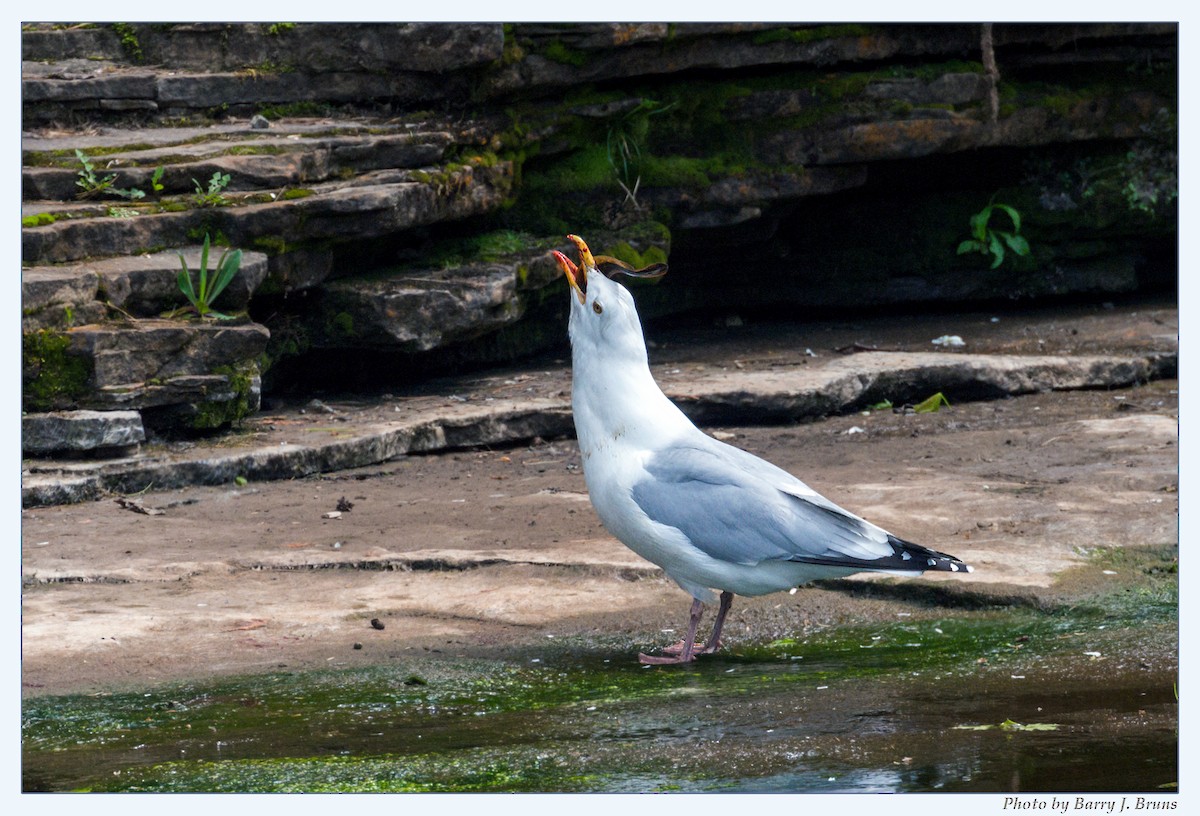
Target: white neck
(619, 399)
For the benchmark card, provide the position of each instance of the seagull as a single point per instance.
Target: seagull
(712, 516)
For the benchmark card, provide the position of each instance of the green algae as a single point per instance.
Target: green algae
(580, 714)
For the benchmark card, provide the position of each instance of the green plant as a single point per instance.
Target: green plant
(201, 297)
(932, 404)
(122, 212)
(988, 241)
(156, 180)
(625, 136)
(92, 185)
(213, 196)
(129, 41)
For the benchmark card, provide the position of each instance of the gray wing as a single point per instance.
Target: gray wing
(735, 509)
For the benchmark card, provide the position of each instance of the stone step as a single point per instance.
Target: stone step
(285, 154)
(60, 297)
(318, 47)
(288, 444)
(74, 432)
(203, 370)
(424, 306)
(368, 206)
(238, 69)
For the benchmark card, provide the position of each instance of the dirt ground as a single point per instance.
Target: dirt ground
(474, 551)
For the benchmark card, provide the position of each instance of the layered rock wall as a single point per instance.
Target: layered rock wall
(395, 189)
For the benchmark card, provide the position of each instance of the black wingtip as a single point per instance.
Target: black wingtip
(919, 558)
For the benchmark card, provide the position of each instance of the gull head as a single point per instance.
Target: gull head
(603, 317)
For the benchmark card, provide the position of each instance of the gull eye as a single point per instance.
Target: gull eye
(596, 307)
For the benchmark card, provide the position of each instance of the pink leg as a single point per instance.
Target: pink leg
(714, 642)
(685, 654)
(686, 650)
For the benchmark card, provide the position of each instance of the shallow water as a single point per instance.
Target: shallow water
(991, 701)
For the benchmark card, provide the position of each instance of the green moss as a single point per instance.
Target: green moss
(681, 171)
(622, 251)
(342, 325)
(256, 150)
(512, 51)
(270, 244)
(42, 158)
(934, 70)
(487, 247)
(276, 29)
(215, 236)
(295, 194)
(51, 376)
(1061, 104)
(305, 108)
(491, 246)
(265, 67)
(807, 35)
(585, 169)
(557, 52)
(685, 138)
(216, 414)
(39, 220)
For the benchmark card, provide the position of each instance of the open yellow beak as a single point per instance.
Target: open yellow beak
(577, 275)
(585, 255)
(570, 270)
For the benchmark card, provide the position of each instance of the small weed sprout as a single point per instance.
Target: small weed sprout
(156, 180)
(212, 197)
(91, 184)
(988, 241)
(201, 297)
(94, 186)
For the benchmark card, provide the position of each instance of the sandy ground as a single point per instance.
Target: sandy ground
(475, 551)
